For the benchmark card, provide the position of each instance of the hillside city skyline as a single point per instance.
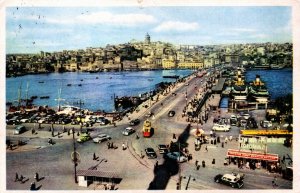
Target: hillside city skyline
(31, 30)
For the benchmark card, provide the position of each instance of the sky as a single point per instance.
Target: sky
(35, 29)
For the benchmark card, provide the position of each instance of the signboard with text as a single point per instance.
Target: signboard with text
(252, 155)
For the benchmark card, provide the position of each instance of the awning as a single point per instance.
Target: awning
(97, 173)
(252, 155)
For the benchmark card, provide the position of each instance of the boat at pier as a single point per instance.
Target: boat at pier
(239, 91)
(258, 91)
(171, 76)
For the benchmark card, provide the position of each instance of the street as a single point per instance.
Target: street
(53, 162)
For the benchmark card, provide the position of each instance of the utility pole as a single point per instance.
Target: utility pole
(187, 184)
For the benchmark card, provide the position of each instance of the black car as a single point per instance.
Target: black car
(150, 153)
(230, 180)
(134, 122)
(171, 113)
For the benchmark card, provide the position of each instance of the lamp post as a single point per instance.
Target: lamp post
(75, 158)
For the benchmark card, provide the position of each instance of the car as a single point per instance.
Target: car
(176, 156)
(171, 113)
(134, 122)
(104, 122)
(229, 180)
(83, 138)
(19, 129)
(101, 137)
(162, 148)
(252, 123)
(243, 123)
(266, 124)
(245, 115)
(24, 120)
(233, 120)
(149, 114)
(218, 127)
(128, 131)
(150, 153)
(186, 84)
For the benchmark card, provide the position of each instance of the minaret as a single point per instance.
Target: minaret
(147, 39)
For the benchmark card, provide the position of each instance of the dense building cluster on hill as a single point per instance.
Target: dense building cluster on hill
(145, 55)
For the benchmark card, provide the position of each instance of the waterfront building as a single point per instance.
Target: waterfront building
(168, 63)
(191, 65)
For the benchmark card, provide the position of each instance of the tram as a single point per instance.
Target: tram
(147, 130)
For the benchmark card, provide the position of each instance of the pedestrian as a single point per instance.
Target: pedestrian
(108, 145)
(226, 139)
(196, 163)
(123, 146)
(156, 164)
(230, 138)
(17, 177)
(174, 136)
(21, 178)
(211, 133)
(32, 186)
(206, 149)
(94, 156)
(274, 181)
(36, 177)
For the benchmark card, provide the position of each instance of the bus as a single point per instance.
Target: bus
(147, 130)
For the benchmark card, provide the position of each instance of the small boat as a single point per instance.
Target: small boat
(97, 77)
(41, 81)
(44, 97)
(79, 84)
(69, 84)
(81, 80)
(33, 97)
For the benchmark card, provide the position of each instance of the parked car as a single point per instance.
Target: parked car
(252, 123)
(233, 120)
(266, 124)
(150, 153)
(134, 122)
(171, 113)
(245, 115)
(229, 180)
(243, 123)
(176, 156)
(162, 148)
(24, 120)
(128, 131)
(83, 138)
(101, 137)
(19, 129)
(13, 121)
(218, 127)
(104, 122)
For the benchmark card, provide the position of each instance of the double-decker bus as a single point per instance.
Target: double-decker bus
(147, 128)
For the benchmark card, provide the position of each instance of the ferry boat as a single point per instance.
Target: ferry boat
(258, 91)
(239, 91)
(147, 128)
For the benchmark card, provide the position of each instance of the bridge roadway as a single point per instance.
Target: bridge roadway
(137, 172)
